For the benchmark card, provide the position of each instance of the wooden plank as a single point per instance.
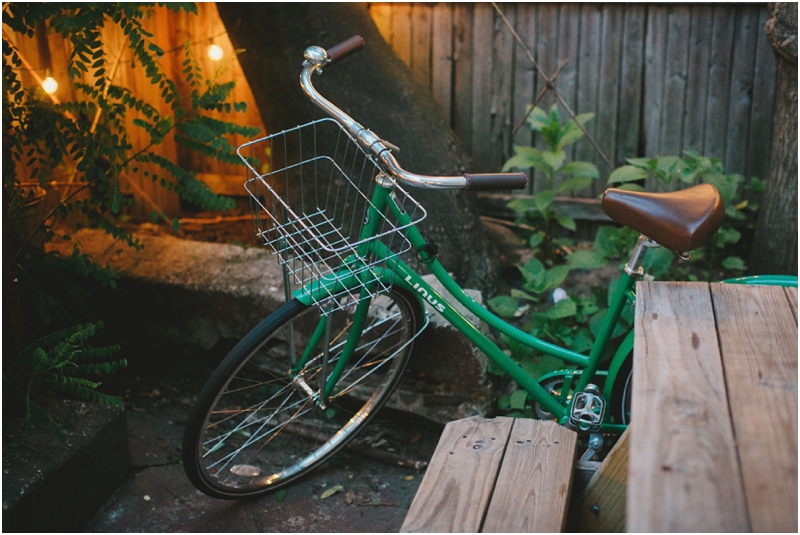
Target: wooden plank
(719, 81)
(758, 339)
(458, 483)
(791, 295)
(697, 82)
(421, 43)
(741, 88)
(608, 96)
(759, 142)
(442, 68)
(483, 58)
(533, 487)
(524, 77)
(401, 31)
(630, 83)
(568, 49)
(502, 87)
(381, 14)
(675, 76)
(654, 82)
(462, 78)
(589, 78)
(683, 472)
(601, 506)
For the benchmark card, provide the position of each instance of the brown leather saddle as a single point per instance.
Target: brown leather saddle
(680, 220)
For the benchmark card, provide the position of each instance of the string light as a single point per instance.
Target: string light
(215, 52)
(49, 84)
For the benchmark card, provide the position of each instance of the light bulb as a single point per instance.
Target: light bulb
(215, 52)
(49, 85)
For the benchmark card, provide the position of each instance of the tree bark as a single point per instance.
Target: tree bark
(775, 241)
(377, 89)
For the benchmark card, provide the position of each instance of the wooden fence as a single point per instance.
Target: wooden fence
(660, 78)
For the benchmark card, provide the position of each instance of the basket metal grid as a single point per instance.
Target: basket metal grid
(310, 189)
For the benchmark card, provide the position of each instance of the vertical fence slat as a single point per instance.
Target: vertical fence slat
(677, 63)
(589, 75)
(502, 98)
(655, 59)
(483, 45)
(401, 32)
(608, 97)
(744, 46)
(763, 110)
(547, 57)
(697, 81)
(568, 43)
(382, 16)
(630, 105)
(442, 62)
(421, 43)
(462, 57)
(524, 76)
(719, 81)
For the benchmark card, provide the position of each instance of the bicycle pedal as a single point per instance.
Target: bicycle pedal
(588, 408)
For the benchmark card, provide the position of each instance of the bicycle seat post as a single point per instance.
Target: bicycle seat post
(634, 265)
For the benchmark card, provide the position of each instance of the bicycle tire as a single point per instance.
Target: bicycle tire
(622, 391)
(253, 430)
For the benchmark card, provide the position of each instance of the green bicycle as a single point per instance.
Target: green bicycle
(329, 201)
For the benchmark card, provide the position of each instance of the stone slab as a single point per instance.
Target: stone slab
(55, 481)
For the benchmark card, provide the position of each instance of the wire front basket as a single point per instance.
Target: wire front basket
(310, 196)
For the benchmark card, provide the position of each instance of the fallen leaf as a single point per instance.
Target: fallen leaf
(416, 438)
(331, 491)
(281, 494)
(408, 478)
(350, 496)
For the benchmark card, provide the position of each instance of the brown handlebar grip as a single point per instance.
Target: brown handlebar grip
(496, 181)
(345, 48)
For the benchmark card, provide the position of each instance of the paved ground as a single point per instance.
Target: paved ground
(157, 497)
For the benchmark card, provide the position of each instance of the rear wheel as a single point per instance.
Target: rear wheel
(622, 392)
(258, 425)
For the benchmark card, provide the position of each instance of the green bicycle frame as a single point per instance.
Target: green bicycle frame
(399, 273)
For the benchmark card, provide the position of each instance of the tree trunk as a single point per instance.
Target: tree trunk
(775, 242)
(377, 89)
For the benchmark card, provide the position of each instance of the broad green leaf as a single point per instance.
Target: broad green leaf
(504, 305)
(669, 165)
(536, 240)
(563, 309)
(543, 200)
(631, 187)
(534, 274)
(555, 159)
(586, 260)
(658, 261)
(521, 204)
(606, 239)
(575, 183)
(567, 222)
(519, 294)
(644, 163)
(580, 169)
(554, 277)
(734, 263)
(626, 173)
(518, 399)
(537, 119)
(524, 158)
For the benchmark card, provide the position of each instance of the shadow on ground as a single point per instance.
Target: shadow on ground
(157, 497)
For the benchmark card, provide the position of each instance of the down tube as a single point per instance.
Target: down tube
(406, 277)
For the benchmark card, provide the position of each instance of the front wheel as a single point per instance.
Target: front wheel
(258, 423)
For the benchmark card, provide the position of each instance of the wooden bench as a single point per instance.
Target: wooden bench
(496, 475)
(713, 441)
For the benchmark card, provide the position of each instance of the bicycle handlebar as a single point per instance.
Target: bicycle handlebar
(316, 57)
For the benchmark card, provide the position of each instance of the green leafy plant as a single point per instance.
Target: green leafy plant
(539, 211)
(59, 364)
(89, 138)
